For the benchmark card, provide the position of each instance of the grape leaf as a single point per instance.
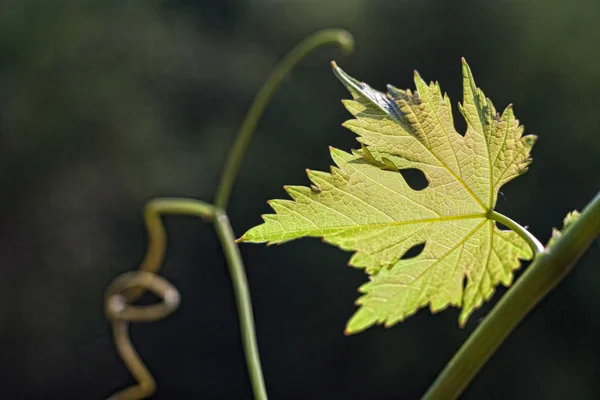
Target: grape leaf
(365, 204)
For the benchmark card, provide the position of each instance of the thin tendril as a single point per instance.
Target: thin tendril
(128, 287)
(340, 37)
(244, 304)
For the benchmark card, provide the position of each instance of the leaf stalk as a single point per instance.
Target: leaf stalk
(547, 270)
(536, 246)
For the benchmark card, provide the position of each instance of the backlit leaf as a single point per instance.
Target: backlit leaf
(365, 204)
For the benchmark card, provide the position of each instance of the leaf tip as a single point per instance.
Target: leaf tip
(338, 72)
(334, 152)
(467, 311)
(530, 139)
(467, 70)
(462, 323)
(364, 318)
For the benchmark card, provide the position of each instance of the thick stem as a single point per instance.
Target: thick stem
(329, 36)
(546, 271)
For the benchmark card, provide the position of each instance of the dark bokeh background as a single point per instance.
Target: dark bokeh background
(105, 104)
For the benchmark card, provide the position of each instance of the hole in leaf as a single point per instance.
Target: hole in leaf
(415, 178)
(413, 251)
(502, 227)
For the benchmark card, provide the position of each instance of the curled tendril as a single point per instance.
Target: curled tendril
(121, 313)
(128, 287)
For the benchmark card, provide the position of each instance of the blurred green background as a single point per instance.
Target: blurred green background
(105, 104)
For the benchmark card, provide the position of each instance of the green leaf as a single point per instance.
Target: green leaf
(567, 222)
(365, 204)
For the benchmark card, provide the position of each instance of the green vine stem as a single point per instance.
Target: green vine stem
(127, 288)
(340, 37)
(244, 304)
(546, 271)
